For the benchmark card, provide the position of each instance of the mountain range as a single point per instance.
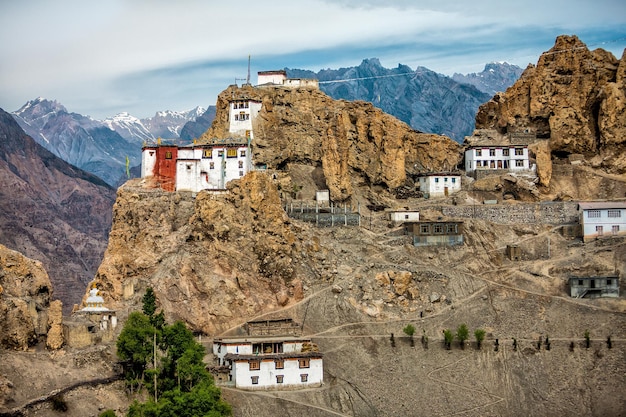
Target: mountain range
(52, 211)
(426, 101)
(99, 147)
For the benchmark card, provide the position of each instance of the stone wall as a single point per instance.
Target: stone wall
(556, 213)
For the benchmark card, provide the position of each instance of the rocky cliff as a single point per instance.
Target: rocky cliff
(575, 100)
(347, 142)
(27, 312)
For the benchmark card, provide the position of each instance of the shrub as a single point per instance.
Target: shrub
(447, 337)
(462, 333)
(479, 334)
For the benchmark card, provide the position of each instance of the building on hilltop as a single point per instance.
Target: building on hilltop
(602, 219)
(594, 287)
(197, 167)
(497, 157)
(241, 115)
(279, 78)
(437, 184)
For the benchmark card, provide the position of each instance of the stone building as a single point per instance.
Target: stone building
(594, 287)
(436, 233)
(93, 324)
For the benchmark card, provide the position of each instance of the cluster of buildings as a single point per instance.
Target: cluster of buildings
(210, 166)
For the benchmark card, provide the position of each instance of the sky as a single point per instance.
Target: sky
(100, 58)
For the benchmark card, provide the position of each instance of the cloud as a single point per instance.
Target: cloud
(142, 56)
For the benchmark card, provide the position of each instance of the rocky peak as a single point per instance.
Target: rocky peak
(574, 98)
(349, 142)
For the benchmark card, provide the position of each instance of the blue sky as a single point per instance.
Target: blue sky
(100, 58)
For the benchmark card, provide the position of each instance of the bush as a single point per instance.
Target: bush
(108, 413)
(447, 337)
(479, 334)
(462, 333)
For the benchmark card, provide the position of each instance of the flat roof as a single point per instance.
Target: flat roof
(596, 205)
(266, 356)
(261, 339)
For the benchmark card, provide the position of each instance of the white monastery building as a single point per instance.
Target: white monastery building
(285, 362)
(439, 184)
(508, 157)
(602, 219)
(241, 115)
(279, 78)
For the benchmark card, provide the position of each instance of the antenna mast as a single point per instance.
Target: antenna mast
(248, 79)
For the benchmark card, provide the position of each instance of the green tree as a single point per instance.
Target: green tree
(479, 334)
(149, 302)
(409, 330)
(135, 346)
(462, 334)
(107, 413)
(448, 336)
(587, 339)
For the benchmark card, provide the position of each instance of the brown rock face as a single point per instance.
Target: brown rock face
(350, 141)
(575, 98)
(25, 308)
(212, 260)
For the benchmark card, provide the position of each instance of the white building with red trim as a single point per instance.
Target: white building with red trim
(285, 362)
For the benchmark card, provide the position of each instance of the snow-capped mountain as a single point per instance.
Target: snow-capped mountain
(164, 124)
(129, 127)
(79, 140)
(497, 76)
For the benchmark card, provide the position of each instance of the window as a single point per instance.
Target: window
(436, 179)
(279, 379)
(220, 153)
(599, 230)
(240, 164)
(231, 153)
(492, 152)
(424, 229)
(212, 165)
(505, 152)
(438, 229)
(593, 214)
(614, 213)
(451, 229)
(519, 162)
(188, 167)
(207, 153)
(609, 282)
(615, 229)
(479, 152)
(304, 377)
(580, 282)
(279, 364)
(304, 362)
(453, 180)
(168, 155)
(236, 117)
(242, 153)
(406, 217)
(519, 151)
(255, 380)
(255, 365)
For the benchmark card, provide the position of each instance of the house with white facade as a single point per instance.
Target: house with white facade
(269, 362)
(602, 219)
(497, 157)
(197, 167)
(279, 78)
(241, 115)
(404, 216)
(437, 184)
